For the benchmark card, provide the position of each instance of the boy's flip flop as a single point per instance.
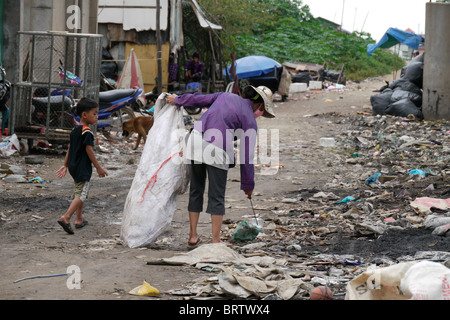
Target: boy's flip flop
(66, 226)
(81, 225)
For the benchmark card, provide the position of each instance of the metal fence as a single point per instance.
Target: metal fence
(53, 70)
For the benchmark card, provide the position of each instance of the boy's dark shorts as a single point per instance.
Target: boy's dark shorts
(217, 182)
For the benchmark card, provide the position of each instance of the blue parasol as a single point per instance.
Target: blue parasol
(254, 66)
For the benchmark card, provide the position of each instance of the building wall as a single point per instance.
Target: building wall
(147, 57)
(42, 15)
(402, 50)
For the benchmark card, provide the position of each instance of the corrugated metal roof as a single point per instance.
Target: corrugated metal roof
(204, 23)
(139, 15)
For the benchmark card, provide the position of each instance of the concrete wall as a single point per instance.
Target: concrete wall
(436, 77)
(41, 15)
(10, 27)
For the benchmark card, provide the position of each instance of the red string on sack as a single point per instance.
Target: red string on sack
(154, 178)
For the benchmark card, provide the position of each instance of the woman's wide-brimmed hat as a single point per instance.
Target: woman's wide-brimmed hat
(267, 96)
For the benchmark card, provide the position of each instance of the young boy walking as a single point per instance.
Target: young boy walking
(79, 160)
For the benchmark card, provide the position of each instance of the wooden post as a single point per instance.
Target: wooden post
(213, 63)
(341, 73)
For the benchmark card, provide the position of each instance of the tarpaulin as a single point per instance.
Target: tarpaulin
(394, 36)
(254, 66)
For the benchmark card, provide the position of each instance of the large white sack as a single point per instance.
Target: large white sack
(161, 176)
(427, 280)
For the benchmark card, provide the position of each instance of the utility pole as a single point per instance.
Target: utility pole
(158, 43)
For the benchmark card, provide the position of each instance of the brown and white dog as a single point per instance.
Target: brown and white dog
(140, 125)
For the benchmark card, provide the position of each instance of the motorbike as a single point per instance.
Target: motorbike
(5, 89)
(114, 107)
(114, 110)
(69, 76)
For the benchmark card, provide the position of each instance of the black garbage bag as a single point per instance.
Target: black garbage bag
(380, 102)
(419, 58)
(400, 94)
(404, 108)
(406, 85)
(302, 77)
(332, 76)
(414, 73)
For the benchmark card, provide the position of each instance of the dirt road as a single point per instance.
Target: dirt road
(32, 243)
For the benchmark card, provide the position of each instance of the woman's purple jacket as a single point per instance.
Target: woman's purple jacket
(228, 116)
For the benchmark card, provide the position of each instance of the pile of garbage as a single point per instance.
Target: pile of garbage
(401, 167)
(379, 229)
(303, 72)
(256, 275)
(402, 97)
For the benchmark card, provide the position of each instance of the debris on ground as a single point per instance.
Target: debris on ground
(397, 191)
(372, 193)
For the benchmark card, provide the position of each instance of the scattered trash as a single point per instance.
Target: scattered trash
(239, 276)
(315, 85)
(145, 290)
(298, 87)
(38, 180)
(35, 159)
(424, 205)
(327, 142)
(373, 179)
(245, 232)
(41, 276)
(321, 293)
(442, 230)
(293, 251)
(346, 199)
(352, 262)
(15, 178)
(417, 171)
(9, 146)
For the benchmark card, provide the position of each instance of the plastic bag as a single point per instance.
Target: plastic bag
(302, 77)
(161, 176)
(399, 94)
(413, 280)
(414, 73)
(403, 108)
(145, 290)
(427, 280)
(379, 284)
(9, 146)
(406, 85)
(245, 232)
(380, 102)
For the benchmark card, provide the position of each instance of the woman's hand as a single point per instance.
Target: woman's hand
(248, 193)
(171, 98)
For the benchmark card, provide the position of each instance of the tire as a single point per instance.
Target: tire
(116, 119)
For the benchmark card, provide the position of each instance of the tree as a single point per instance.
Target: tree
(285, 30)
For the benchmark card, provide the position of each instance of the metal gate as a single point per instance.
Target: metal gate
(53, 71)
